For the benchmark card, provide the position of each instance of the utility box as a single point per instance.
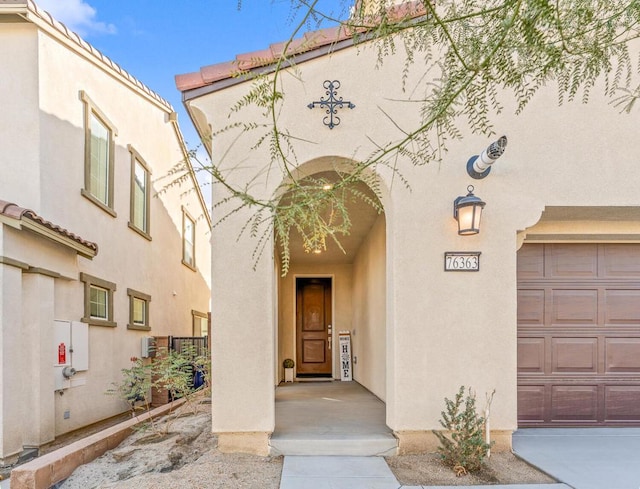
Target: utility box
(148, 347)
(71, 352)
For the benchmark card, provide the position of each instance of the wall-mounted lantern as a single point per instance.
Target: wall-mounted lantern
(467, 210)
(479, 166)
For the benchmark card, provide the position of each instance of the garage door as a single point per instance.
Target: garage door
(579, 335)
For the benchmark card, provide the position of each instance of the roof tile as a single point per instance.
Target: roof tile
(14, 211)
(310, 41)
(190, 80)
(220, 71)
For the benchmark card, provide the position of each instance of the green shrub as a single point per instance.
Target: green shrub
(462, 445)
(169, 370)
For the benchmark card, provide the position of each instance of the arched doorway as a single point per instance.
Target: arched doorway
(333, 291)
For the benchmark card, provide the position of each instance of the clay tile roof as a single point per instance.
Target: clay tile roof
(311, 41)
(14, 211)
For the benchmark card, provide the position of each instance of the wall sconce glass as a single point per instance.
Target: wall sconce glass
(467, 210)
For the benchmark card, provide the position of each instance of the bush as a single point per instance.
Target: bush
(462, 445)
(170, 370)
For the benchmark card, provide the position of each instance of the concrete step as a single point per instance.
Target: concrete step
(354, 445)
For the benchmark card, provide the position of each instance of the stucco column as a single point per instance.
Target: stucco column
(242, 344)
(38, 349)
(12, 400)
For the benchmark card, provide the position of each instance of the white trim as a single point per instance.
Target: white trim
(332, 276)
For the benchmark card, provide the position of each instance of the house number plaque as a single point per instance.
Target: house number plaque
(461, 261)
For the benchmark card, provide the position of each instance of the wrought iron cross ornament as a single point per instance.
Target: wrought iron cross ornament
(332, 103)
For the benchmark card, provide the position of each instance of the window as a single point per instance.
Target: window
(200, 323)
(138, 310)
(140, 192)
(188, 240)
(98, 301)
(98, 156)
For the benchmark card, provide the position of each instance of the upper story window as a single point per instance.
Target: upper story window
(99, 146)
(188, 240)
(140, 195)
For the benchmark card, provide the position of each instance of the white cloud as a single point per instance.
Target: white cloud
(77, 15)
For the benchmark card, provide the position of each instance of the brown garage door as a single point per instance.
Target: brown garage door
(579, 335)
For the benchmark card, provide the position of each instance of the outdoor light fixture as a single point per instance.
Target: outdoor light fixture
(467, 211)
(479, 166)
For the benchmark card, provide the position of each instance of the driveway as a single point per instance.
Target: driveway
(584, 458)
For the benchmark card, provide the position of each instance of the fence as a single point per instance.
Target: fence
(195, 346)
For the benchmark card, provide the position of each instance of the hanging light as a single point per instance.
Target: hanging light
(467, 210)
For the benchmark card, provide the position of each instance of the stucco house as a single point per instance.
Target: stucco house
(93, 259)
(544, 306)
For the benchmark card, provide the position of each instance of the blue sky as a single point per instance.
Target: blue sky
(156, 39)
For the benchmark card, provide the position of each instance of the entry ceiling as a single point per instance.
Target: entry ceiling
(363, 216)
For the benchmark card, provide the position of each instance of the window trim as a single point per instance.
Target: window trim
(197, 314)
(134, 294)
(186, 215)
(136, 157)
(89, 281)
(91, 108)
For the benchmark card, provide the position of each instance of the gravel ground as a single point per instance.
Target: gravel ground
(186, 457)
(427, 469)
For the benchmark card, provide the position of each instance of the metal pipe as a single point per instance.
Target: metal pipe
(479, 166)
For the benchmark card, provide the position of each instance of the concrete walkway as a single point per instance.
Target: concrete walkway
(580, 458)
(337, 473)
(330, 418)
(584, 458)
(358, 473)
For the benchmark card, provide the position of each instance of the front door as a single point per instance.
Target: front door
(313, 327)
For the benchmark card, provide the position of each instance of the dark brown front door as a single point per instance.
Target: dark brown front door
(313, 326)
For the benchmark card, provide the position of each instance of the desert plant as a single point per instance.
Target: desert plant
(135, 385)
(170, 370)
(176, 371)
(288, 363)
(462, 445)
(135, 389)
(173, 371)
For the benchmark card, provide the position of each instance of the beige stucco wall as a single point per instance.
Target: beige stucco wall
(19, 97)
(369, 329)
(10, 357)
(444, 329)
(44, 163)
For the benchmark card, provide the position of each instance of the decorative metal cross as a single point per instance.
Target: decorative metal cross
(332, 103)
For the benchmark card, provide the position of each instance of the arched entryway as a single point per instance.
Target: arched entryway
(326, 293)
